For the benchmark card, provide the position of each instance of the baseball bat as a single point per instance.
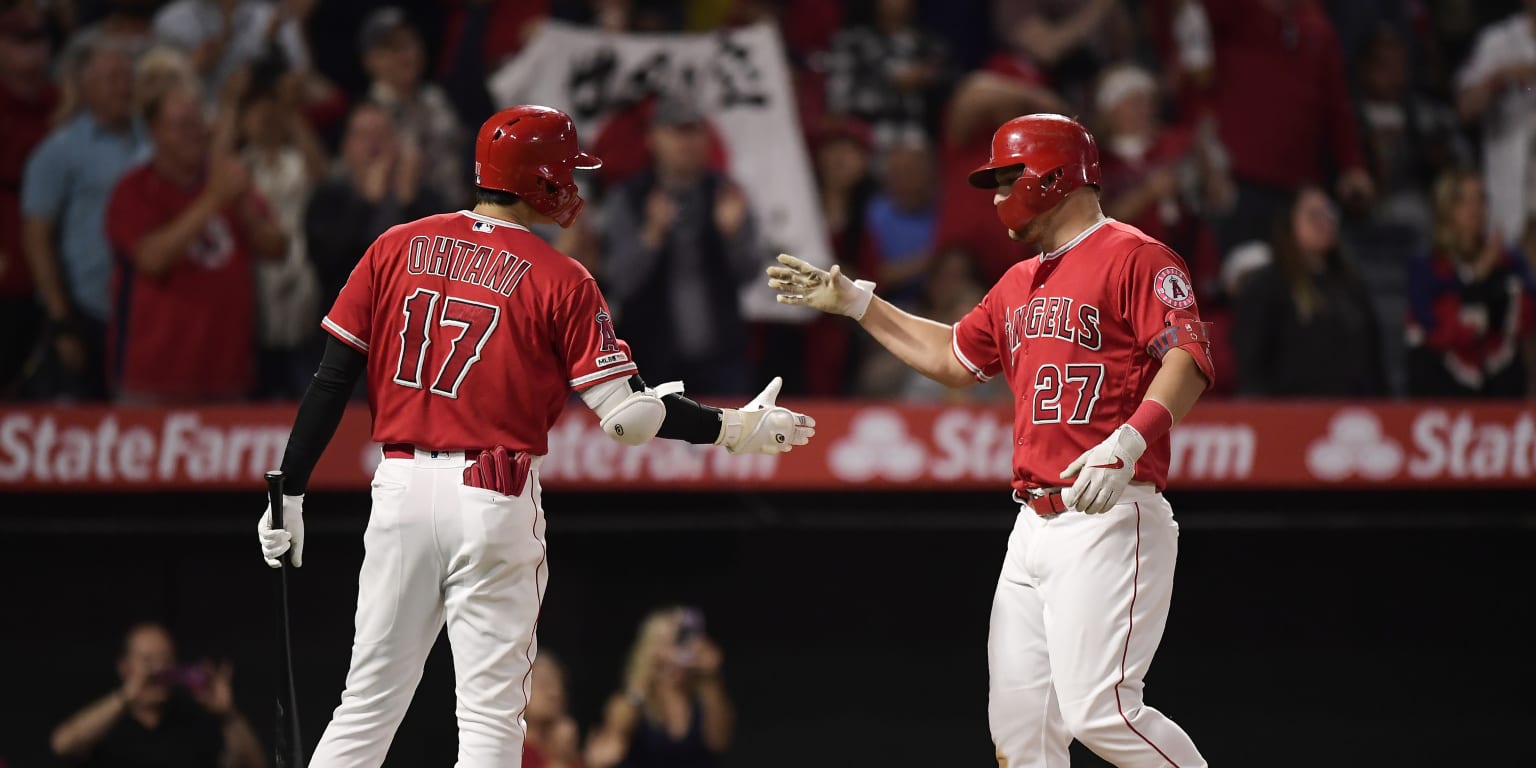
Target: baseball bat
(287, 749)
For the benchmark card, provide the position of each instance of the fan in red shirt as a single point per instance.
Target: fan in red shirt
(184, 232)
(27, 101)
(1101, 341)
(473, 333)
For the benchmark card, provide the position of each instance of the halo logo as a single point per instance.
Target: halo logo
(1354, 444)
(877, 445)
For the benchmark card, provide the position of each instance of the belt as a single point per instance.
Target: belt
(408, 451)
(1044, 501)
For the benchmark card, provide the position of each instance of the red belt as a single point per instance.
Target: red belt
(1048, 503)
(408, 451)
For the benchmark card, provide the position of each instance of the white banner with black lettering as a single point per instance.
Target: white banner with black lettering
(738, 78)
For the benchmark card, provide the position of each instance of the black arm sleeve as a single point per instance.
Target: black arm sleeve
(686, 419)
(320, 411)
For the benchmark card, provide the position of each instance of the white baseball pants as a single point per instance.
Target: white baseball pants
(437, 550)
(1079, 611)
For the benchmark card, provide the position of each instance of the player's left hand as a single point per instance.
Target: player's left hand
(276, 541)
(761, 426)
(1103, 471)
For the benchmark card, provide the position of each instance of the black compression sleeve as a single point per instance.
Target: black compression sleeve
(686, 419)
(320, 411)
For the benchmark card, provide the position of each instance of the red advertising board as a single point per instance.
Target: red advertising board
(858, 446)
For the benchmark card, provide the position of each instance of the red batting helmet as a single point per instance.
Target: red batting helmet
(530, 152)
(1058, 155)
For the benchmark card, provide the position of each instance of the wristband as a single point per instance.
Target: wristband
(860, 304)
(1152, 420)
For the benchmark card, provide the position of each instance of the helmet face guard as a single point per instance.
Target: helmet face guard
(532, 152)
(1057, 156)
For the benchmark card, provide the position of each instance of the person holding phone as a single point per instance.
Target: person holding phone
(163, 714)
(673, 711)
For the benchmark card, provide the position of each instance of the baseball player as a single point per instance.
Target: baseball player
(473, 333)
(1100, 340)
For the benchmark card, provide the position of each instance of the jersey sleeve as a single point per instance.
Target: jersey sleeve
(585, 341)
(1156, 295)
(351, 317)
(974, 342)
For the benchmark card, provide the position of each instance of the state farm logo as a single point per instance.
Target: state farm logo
(877, 445)
(1355, 444)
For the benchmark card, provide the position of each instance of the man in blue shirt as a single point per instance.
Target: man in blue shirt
(64, 194)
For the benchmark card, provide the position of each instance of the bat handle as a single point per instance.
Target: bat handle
(275, 496)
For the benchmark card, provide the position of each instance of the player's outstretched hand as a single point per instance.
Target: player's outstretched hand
(762, 426)
(276, 541)
(1103, 471)
(802, 283)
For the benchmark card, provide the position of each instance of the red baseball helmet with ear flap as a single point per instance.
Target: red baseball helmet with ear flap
(1058, 156)
(531, 151)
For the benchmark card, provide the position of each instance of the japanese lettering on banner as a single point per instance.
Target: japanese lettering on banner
(739, 80)
(858, 447)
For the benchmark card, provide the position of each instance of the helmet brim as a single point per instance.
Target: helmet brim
(985, 177)
(587, 162)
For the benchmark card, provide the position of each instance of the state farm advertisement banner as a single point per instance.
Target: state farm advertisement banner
(858, 446)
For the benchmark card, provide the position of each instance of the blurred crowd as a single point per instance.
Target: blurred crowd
(669, 710)
(188, 183)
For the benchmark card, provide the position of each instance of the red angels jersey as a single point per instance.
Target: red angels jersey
(1069, 332)
(476, 332)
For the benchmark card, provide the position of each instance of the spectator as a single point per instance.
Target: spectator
(889, 74)
(395, 61)
(64, 196)
(286, 160)
(221, 36)
(1069, 39)
(162, 715)
(1497, 88)
(1409, 139)
(27, 101)
(1305, 326)
(550, 738)
(1472, 312)
(1007, 88)
(161, 68)
(901, 220)
(185, 229)
(376, 185)
(128, 25)
(1160, 180)
(1281, 102)
(673, 711)
(681, 243)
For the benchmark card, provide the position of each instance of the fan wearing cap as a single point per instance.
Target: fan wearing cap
(1100, 339)
(473, 333)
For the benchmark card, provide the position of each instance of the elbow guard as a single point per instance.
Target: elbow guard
(1185, 330)
(628, 415)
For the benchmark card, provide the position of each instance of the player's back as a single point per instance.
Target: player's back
(470, 325)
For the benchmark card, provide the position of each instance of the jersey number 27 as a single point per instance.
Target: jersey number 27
(467, 325)
(1051, 385)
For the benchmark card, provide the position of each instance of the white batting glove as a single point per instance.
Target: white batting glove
(801, 283)
(1103, 471)
(276, 541)
(762, 427)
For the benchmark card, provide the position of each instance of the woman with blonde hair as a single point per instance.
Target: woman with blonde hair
(1471, 312)
(673, 711)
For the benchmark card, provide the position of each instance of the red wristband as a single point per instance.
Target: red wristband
(1152, 420)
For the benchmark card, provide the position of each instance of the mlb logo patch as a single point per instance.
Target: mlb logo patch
(481, 226)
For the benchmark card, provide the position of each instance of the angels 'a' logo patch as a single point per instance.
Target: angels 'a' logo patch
(1173, 288)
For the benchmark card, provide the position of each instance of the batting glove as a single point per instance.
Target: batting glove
(276, 541)
(801, 283)
(763, 427)
(1103, 471)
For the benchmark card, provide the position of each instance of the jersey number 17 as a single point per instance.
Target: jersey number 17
(466, 325)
